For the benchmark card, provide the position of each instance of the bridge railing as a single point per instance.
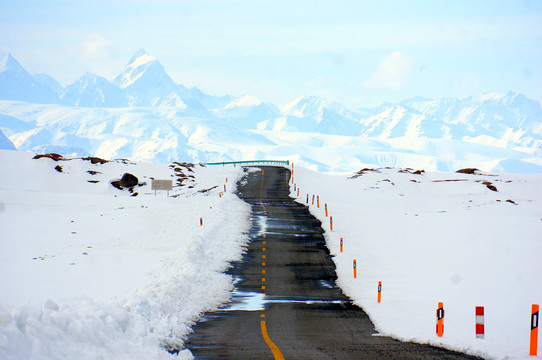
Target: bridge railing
(251, 162)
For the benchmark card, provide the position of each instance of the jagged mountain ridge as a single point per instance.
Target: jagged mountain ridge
(160, 110)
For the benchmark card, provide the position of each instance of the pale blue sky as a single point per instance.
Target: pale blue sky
(359, 53)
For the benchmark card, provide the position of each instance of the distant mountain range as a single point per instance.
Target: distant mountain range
(143, 114)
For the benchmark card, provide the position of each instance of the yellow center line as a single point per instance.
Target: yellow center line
(274, 349)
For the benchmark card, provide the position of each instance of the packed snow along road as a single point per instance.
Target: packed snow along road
(91, 272)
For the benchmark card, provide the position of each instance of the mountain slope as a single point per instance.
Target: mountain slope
(5, 143)
(48, 81)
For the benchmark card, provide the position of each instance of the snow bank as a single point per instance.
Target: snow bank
(90, 272)
(437, 237)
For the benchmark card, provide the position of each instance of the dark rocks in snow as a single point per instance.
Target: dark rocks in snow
(116, 184)
(94, 160)
(58, 168)
(54, 156)
(472, 171)
(128, 180)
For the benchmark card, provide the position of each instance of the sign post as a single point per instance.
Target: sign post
(162, 185)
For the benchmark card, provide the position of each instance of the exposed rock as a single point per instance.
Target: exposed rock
(94, 160)
(58, 168)
(492, 187)
(116, 184)
(473, 171)
(54, 156)
(128, 180)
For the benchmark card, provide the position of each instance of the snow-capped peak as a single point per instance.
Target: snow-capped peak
(299, 106)
(137, 66)
(245, 101)
(490, 96)
(7, 61)
(141, 57)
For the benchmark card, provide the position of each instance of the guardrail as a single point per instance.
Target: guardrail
(275, 162)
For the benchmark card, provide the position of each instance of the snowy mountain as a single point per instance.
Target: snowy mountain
(93, 91)
(144, 115)
(5, 143)
(247, 111)
(17, 84)
(314, 114)
(146, 83)
(509, 121)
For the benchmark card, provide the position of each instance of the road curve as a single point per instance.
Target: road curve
(286, 304)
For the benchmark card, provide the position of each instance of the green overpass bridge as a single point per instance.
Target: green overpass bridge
(251, 162)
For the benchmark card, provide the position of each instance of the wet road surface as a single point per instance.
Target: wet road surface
(286, 304)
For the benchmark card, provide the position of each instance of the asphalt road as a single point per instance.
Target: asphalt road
(286, 304)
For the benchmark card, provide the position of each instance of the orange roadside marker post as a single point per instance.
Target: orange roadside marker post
(355, 270)
(341, 243)
(297, 192)
(307, 199)
(379, 291)
(534, 330)
(326, 208)
(313, 199)
(224, 187)
(440, 319)
(200, 221)
(331, 223)
(318, 201)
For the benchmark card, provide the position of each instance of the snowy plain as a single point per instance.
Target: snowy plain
(436, 237)
(91, 272)
(94, 273)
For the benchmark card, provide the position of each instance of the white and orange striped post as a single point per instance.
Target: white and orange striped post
(533, 348)
(297, 192)
(318, 201)
(480, 330)
(312, 199)
(326, 208)
(331, 223)
(341, 244)
(379, 297)
(440, 319)
(355, 270)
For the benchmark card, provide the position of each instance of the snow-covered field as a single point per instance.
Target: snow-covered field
(90, 272)
(437, 237)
